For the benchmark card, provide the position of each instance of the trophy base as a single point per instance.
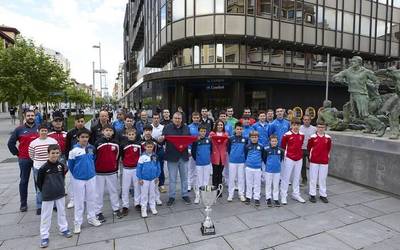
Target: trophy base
(207, 230)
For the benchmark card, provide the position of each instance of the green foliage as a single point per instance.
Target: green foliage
(27, 74)
(76, 95)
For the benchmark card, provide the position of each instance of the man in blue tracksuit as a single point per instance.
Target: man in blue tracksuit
(246, 126)
(254, 157)
(201, 153)
(262, 127)
(236, 150)
(193, 130)
(273, 159)
(279, 126)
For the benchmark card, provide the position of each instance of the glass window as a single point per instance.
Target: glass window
(348, 21)
(254, 55)
(235, 6)
(330, 19)
(288, 59)
(298, 60)
(263, 7)
(204, 7)
(339, 20)
(380, 29)
(178, 9)
(277, 10)
(310, 13)
(396, 3)
(189, 8)
(365, 26)
(169, 12)
(277, 58)
(243, 54)
(267, 56)
(187, 56)
(196, 54)
(319, 62)
(250, 6)
(163, 16)
(208, 53)
(288, 11)
(219, 6)
(231, 53)
(219, 53)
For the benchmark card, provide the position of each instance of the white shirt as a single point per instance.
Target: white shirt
(38, 151)
(307, 131)
(157, 131)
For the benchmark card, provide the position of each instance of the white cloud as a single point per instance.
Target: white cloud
(72, 27)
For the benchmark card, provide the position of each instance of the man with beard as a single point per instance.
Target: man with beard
(24, 134)
(96, 130)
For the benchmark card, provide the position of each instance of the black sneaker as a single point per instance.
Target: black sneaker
(23, 209)
(257, 203)
(312, 199)
(138, 208)
(247, 202)
(324, 199)
(118, 214)
(101, 218)
(125, 211)
(187, 200)
(38, 211)
(269, 203)
(277, 203)
(170, 202)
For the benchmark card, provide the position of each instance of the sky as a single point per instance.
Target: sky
(72, 27)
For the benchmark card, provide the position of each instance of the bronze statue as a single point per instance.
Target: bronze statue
(329, 116)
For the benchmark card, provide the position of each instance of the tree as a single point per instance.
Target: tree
(77, 96)
(28, 75)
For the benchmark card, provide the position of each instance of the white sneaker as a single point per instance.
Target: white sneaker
(197, 199)
(189, 188)
(144, 212)
(94, 222)
(154, 211)
(284, 201)
(242, 198)
(70, 204)
(158, 202)
(230, 198)
(77, 229)
(298, 198)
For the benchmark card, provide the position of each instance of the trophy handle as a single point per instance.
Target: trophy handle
(220, 188)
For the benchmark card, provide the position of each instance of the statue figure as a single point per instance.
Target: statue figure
(329, 116)
(358, 79)
(392, 104)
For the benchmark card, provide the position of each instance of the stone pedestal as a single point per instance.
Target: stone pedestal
(365, 159)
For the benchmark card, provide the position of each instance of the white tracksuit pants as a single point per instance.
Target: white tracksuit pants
(45, 217)
(236, 172)
(129, 178)
(253, 183)
(111, 182)
(192, 173)
(84, 191)
(272, 180)
(147, 194)
(203, 175)
(225, 172)
(289, 167)
(71, 188)
(318, 172)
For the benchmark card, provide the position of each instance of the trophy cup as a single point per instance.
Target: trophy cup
(208, 196)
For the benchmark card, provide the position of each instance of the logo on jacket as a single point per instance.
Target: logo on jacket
(207, 141)
(134, 149)
(59, 167)
(243, 140)
(153, 158)
(89, 150)
(113, 148)
(279, 152)
(258, 148)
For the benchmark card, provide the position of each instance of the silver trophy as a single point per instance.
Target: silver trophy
(209, 195)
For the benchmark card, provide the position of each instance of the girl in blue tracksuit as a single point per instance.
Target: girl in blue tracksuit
(273, 158)
(147, 173)
(254, 157)
(201, 153)
(236, 150)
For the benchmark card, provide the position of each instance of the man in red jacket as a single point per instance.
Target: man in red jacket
(291, 143)
(319, 147)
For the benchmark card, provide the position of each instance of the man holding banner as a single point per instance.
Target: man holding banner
(177, 139)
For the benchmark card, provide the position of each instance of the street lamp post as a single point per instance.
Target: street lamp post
(93, 93)
(99, 47)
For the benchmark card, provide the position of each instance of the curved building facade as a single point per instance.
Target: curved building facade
(255, 53)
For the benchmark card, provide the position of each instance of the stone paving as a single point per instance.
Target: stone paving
(355, 218)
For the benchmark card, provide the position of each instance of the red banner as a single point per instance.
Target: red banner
(181, 142)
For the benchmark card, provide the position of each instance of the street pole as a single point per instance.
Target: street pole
(101, 85)
(327, 75)
(93, 93)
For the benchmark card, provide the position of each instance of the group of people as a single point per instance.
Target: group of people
(242, 153)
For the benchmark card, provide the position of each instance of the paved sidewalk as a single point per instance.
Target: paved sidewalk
(355, 218)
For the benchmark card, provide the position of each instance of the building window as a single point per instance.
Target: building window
(298, 60)
(348, 21)
(231, 53)
(178, 9)
(277, 58)
(254, 55)
(365, 25)
(267, 56)
(263, 7)
(243, 54)
(250, 7)
(219, 53)
(204, 7)
(189, 8)
(196, 54)
(163, 16)
(235, 6)
(208, 53)
(187, 57)
(219, 6)
(330, 19)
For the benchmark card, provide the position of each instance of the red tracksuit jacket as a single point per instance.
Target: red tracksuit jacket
(292, 143)
(319, 148)
(130, 151)
(107, 152)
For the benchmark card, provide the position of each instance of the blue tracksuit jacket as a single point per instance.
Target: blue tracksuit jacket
(81, 162)
(263, 133)
(254, 155)
(236, 149)
(273, 159)
(279, 127)
(201, 151)
(148, 168)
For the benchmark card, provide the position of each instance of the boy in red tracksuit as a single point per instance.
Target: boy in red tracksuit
(107, 153)
(319, 147)
(130, 153)
(291, 143)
